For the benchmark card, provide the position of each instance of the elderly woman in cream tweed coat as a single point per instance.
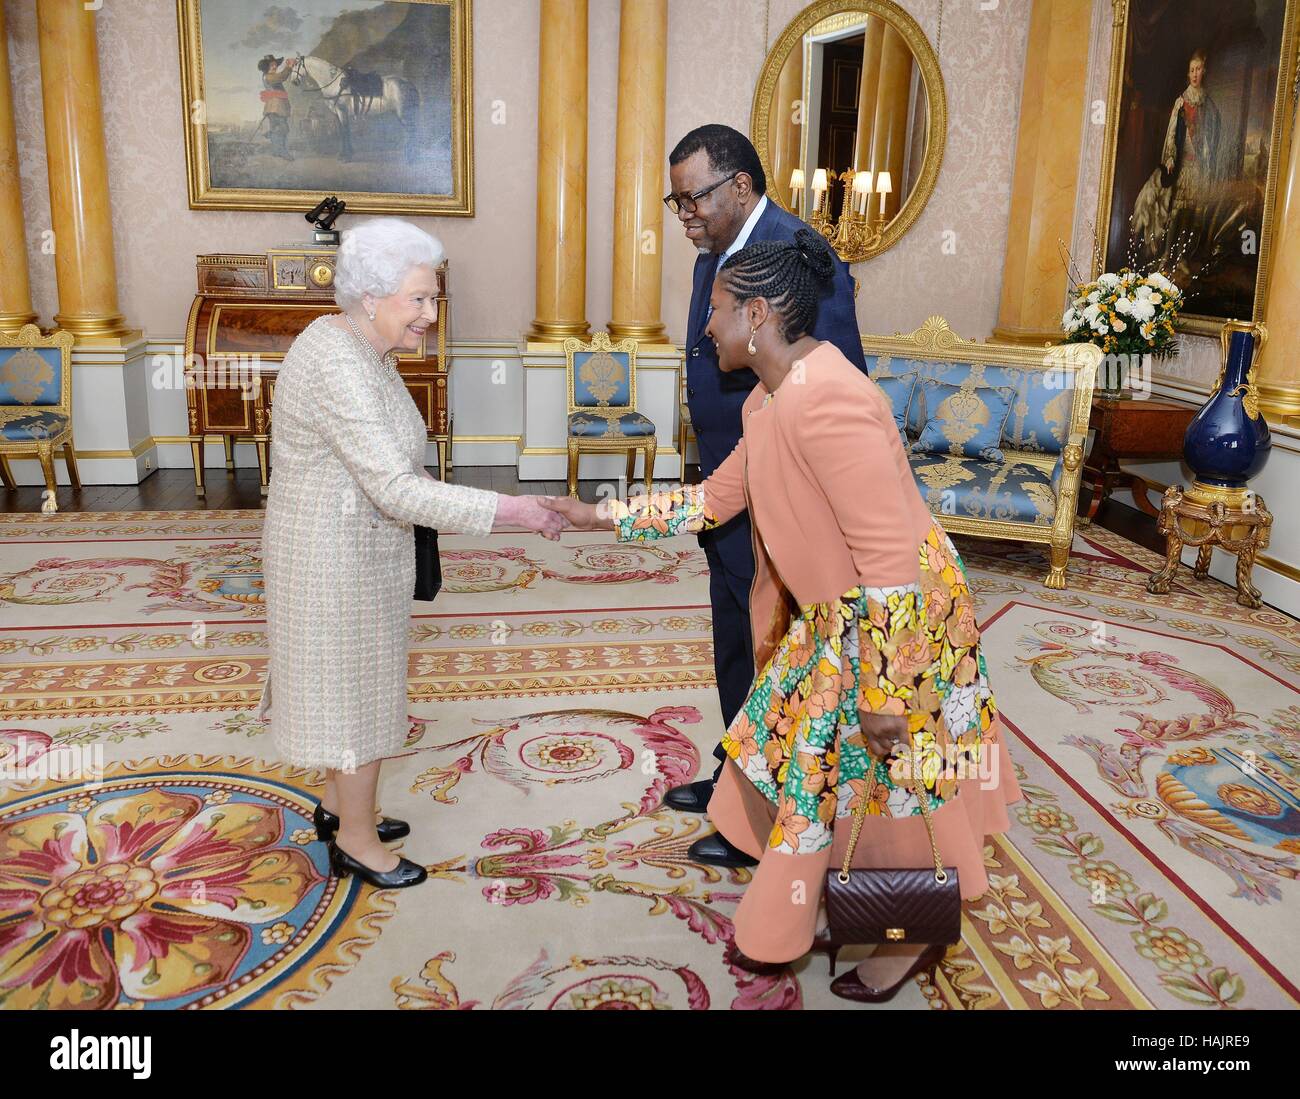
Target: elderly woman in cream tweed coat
(338, 542)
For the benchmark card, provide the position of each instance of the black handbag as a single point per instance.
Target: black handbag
(428, 568)
(879, 905)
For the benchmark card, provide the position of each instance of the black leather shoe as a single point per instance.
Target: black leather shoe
(400, 876)
(715, 851)
(691, 798)
(387, 828)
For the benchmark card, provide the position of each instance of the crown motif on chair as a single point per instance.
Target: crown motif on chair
(26, 374)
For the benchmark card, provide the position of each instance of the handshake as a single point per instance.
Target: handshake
(550, 515)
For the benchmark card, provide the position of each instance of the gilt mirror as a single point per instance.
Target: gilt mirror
(850, 119)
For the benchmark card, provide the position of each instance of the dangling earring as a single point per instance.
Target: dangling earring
(371, 314)
(751, 348)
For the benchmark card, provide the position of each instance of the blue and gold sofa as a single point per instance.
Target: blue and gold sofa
(995, 432)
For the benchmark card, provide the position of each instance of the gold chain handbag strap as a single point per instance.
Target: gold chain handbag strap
(922, 797)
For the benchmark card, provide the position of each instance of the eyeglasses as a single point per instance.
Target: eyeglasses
(676, 205)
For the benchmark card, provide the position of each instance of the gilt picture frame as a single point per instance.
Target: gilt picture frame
(369, 100)
(1195, 145)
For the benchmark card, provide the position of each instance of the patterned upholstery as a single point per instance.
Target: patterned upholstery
(973, 402)
(1007, 491)
(602, 379)
(39, 425)
(602, 418)
(587, 425)
(964, 421)
(1039, 419)
(30, 375)
(899, 393)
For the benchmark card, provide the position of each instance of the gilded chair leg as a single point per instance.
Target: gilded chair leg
(46, 456)
(70, 459)
(229, 441)
(631, 466)
(651, 448)
(7, 474)
(573, 469)
(1060, 558)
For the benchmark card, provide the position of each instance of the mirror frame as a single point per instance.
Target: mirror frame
(937, 114)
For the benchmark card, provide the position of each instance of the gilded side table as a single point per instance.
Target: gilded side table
(1233, 519)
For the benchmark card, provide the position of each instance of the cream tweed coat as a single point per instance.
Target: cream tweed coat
(338, 549)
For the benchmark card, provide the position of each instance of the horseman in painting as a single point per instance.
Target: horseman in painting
(276, 107)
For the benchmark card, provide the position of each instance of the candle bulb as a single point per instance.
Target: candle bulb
(884, 186)
(819, 187)
(861, 191)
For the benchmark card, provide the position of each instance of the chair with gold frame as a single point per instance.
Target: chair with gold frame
(36, 404)
(684, 427)
(601, 381)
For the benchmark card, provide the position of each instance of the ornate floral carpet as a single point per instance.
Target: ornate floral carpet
(154, 852)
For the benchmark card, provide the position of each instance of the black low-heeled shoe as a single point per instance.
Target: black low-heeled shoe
(400, 876)
(388, 829)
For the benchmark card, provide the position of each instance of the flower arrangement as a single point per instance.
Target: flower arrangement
(1126, 313)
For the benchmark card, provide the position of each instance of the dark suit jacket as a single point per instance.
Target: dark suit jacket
(714, 398)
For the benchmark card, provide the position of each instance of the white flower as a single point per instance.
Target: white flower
(1142, 310)
(1095, 296)
(1108, 280)
(1123, 305)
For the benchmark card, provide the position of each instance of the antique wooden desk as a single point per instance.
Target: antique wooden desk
(247, 312)
(1133, 429)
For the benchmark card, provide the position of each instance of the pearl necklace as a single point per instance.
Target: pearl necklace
(388, 363)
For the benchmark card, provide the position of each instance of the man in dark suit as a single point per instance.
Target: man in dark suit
(719, 198)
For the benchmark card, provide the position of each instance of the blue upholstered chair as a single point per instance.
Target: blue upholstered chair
(36, 404)
(602, 405)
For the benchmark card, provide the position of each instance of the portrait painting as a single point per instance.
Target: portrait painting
(1193, 148)
(370, 100)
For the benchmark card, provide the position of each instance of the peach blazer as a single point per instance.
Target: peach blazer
(833, 505)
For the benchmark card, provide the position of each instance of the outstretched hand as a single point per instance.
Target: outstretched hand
(529, 512)
(580, 516)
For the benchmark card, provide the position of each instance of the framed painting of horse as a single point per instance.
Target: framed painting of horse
(370, 100)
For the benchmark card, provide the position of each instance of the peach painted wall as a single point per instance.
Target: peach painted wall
(716, 49)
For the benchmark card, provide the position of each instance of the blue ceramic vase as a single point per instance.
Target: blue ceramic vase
(1228, 442)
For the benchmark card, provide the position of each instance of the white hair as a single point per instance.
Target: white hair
(375, 256)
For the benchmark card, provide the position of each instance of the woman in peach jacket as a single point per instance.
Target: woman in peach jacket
(864, 629)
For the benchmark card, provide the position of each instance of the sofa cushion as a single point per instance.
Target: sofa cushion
(898, 391)
(964, 421)
(1010, 491)
(1039, 420)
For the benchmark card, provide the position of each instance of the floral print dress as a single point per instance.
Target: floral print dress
(911, 650)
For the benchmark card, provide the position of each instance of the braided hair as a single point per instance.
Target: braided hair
(791, 275)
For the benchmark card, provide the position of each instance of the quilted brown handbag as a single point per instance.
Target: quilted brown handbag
(893, 906)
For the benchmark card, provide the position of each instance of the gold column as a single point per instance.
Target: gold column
(78, 170)
(785, 127)
(1043, 188)
(1278, 373)
(639, 171)
(889, 130)
(562, 173)
(15, 289)
(872, 44)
